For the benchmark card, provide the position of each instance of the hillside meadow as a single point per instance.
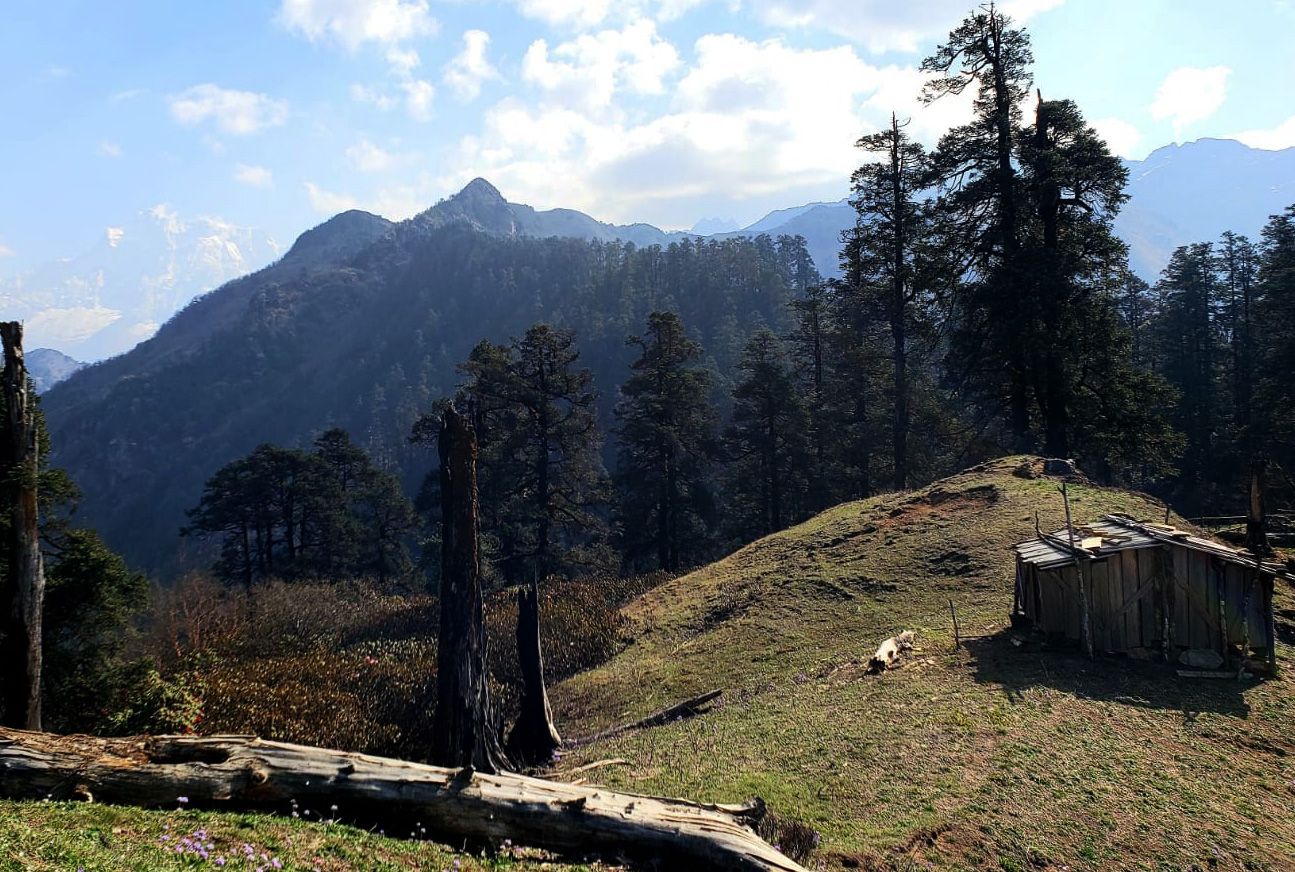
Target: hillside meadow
(1004, 753)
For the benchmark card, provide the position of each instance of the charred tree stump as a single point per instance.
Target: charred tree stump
(236, 773)
(22, 578)
(533, 738)
(464, 731)
(1257, 515)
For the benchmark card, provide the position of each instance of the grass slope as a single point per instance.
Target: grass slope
(991, 757)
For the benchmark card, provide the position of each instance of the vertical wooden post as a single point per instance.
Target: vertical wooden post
(1270, 623)
(1219, 590)
(1085, 626)
(22, 585)
(1168, 598)
(464, 732)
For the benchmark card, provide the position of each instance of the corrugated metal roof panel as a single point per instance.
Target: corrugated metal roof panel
(1121, 534)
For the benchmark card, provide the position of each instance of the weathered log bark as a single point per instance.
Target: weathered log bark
(22, 579)
(464, 731)
(245, 773)
(533, 738)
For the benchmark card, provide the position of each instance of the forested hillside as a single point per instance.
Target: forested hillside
(365, 335)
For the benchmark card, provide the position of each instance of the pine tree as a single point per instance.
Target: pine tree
(767, 446)
(666, 432)
(1188, 350)
(888, 264)
(541, 472)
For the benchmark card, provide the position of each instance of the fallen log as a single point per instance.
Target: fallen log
(889, 651)
(686, 709)
(243, 773)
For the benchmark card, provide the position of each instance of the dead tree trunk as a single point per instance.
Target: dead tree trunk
(1257, 516)
(533, 738)
(22, 578)
(244, 773)
(464, 731)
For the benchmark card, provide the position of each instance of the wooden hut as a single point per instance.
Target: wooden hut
(1148, 587)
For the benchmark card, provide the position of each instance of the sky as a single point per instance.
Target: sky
(279, 114)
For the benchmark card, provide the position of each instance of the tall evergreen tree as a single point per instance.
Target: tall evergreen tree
(980, 193)
(1276, 342)
(885, 263)
(767, 444)
(542, 477)
(666, 434)
(289, 513)
(1188, 354)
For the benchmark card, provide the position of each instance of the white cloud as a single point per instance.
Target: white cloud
(114, 235)
(586, 72)
(1190, 94)
(373, 97)
(236, 112)
(6, 251)
(745, 120)
(327, 202)
(58, 72)
(570, 13)
(470, 68)
(396, 203)
(1120, 136)
(1279, 137)
(367, 157)
(403, 61)
(122, 96)
(418, 99)
(111, 149)
(885, 25)
(584, 14)
(351, 23)
(255, 176)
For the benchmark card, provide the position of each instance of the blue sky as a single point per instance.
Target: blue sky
(278, 114)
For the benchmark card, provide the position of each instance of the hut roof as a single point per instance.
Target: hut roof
(1120, 533)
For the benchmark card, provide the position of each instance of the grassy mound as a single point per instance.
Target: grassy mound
(993, 756)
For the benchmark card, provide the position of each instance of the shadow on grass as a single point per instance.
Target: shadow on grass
(1111, 677)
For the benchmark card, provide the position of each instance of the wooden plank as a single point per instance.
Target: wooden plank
(1182, 595)
(1098, 578)
(1204, 604)
(1148, 627)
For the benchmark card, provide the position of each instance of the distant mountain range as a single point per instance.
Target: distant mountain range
(116, 294)
(48, 367)
(361, 325)
(118, 291)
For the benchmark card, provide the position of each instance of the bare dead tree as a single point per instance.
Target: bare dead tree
(22, 585)
(534, 738)
(464, 730)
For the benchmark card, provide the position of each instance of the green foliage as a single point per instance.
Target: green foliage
(666, 431)
(290, 513)
(91, 599)
(149, 702)
(766, 446)
(540, 473)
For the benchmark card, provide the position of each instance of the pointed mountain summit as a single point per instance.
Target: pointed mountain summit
(481, 206)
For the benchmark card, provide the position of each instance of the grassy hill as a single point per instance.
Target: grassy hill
(996, 755)
(993, 756)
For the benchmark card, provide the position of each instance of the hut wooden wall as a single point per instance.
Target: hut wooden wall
(1128, 597)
